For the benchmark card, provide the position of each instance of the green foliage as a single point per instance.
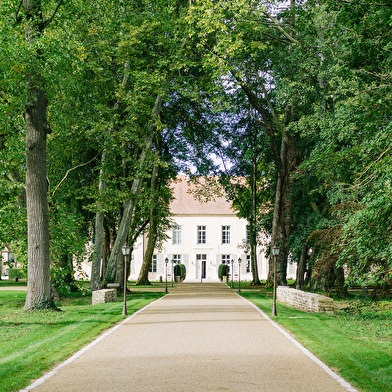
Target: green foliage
(45, 304)
(347, 133)
(322, 69)
(16, 273)
(180, 270)
(223, 270)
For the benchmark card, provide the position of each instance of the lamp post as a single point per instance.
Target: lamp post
(239, 274)
(166, 262)
(275, 252)
(232, 273)
(125, 251)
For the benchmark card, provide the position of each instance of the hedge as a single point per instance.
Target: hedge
(180, 270)
(223, 270)
(15, 273)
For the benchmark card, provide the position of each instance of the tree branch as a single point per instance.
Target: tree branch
(17, 18)
(274, 116)
(243, 210)
(362, 3)
(253, 100)
(69, 171)
(54, 13)
(277, 25)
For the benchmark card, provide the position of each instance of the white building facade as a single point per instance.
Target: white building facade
(203, 236)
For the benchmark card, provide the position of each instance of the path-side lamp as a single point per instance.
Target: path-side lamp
(275, 252)
(232, 273)
(125, 251)
(239, 274)
(166, 262)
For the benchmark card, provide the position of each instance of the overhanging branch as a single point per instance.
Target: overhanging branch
(17, 18)
(54, 13)
(69, 171)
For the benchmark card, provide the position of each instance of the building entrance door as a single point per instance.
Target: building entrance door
(201, 262)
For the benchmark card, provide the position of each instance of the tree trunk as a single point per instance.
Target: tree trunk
(301, 268)
(38, 289)
(153, 231)
(98, 252)
(129, 206)
(152, 237)
(282, 219)
(340, 287)
(99, 234)
(98, 258)
(253, 239)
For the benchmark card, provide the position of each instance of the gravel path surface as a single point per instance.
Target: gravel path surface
(201, 337)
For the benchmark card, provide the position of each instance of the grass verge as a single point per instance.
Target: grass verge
(8, 283)
(33, 343)
(355, 341)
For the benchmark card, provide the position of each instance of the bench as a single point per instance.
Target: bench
(113, 285)
(302, 300)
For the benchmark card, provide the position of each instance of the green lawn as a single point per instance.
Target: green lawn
(7, 282)
(32, 343)
(356, 341)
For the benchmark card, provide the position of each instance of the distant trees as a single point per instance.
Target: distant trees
(317, 80)
(350, 134)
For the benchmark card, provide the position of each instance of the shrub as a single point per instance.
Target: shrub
(223, 270)
(15, 273)
(180, 270)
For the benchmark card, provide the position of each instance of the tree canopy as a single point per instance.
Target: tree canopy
(294, 97)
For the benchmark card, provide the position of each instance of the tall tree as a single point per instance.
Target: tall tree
(37, 129)
(253, 50)
(349, 158)
(246, 181)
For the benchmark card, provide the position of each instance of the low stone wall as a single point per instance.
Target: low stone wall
(302, 300)
(103, 296)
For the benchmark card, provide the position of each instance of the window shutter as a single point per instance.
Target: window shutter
(243, 264)
(160, 262)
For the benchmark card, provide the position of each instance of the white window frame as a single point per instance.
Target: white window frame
(248, 264)
(177, 235)
(177, 259)
(225, 259)
(201, 234)
(154, 262)
(226, 235)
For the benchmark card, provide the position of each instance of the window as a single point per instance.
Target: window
(153, 267)
(201, 234)
(177, 235)
(225, 234)
(225, 259)
(176, 259)
(248, 264)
